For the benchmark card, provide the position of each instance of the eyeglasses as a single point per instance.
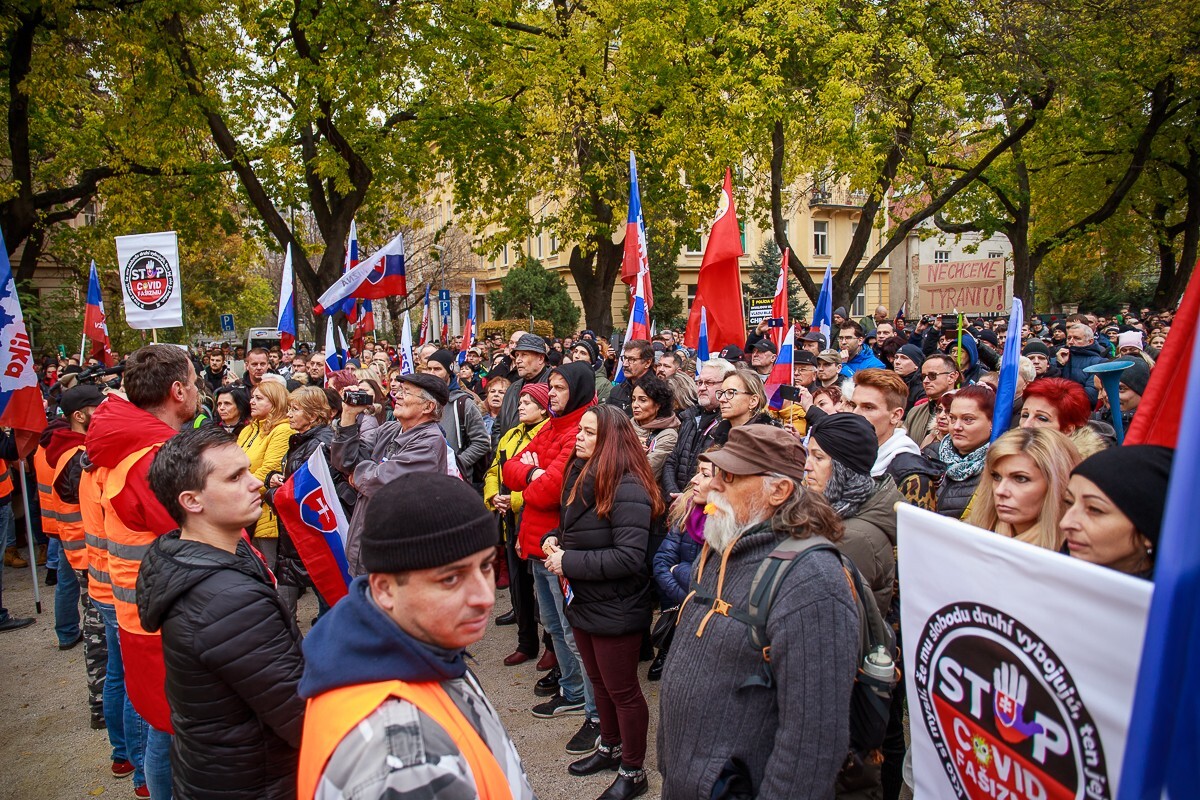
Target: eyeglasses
(709, 383)
(928, 376)
(627, 359)
(729, 394)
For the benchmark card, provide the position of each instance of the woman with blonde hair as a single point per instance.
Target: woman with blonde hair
(265, 442)
(1023, 488)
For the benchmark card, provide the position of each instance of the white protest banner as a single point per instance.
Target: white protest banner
(1021, 664)
(148, 264)
(967, 287)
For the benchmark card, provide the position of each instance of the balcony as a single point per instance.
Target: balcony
(837, 198)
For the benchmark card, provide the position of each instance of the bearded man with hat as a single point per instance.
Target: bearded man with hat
(788, 736)
(372, 455)
(393, 710)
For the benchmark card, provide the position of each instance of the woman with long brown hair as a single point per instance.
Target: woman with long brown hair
(610, 498)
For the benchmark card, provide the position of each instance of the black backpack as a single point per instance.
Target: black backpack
(870, 701)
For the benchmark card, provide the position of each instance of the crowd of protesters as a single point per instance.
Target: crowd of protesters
(625, 501)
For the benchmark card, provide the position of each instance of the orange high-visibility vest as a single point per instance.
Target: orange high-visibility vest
(70, 518)
(126, 546)
(96, 543)
(45, 485)
(6, 484)
(332, 715)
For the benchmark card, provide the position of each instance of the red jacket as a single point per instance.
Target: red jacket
(554, 445)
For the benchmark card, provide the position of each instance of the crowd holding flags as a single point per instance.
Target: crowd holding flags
(636, 261)
(287, 304)
(468, 334)
(719, 286)
(1006, 392)
(335, 349)
(308, 504)
(822, 321)
(781, 372)
(779, 307)
(95, 322)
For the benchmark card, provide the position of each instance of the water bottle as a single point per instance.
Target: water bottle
(878, 664)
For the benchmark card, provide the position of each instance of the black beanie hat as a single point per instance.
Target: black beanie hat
(588, 345)
(914, 353)
(1036, 346)
(848, 439)
(1135, 479)
(1136, 376)
(424, 520)
(443, 357)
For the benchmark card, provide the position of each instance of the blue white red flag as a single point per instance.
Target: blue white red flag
(469, 329)
(901, 314)
(822, 320)
(381, 275)
(1010, 366)
(779, 307)
(1163, 748)
(639, 322)
(21, 406)
(781, 373)
(702, 348)
(95, 322)
(636, 260)
(349, 306)
(423, 338)
(405, 353)
(287, 305)
(335, 350)
(308, 506)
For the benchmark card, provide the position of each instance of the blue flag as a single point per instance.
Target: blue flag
(1163, 747)
(1010, 365)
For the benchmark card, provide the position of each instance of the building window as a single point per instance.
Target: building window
(694, 246)
(859, 307)
(553, 243)
(506, 255)
(941, 256)
(742, 233)
(820, 238)
(995, 254)
(691, 296)
(90, 214)
(539, 245)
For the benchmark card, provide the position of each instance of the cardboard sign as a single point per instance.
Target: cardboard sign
(964, 286)
(149, 270)
(1021, 664)
(760, 309)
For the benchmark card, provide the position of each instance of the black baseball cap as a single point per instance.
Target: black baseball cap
(85, 395)
(803, 357)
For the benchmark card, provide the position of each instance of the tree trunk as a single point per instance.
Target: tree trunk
(595, 274)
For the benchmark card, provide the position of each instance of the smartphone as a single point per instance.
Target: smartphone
(789, 393)
(775, 322)
(949, 321)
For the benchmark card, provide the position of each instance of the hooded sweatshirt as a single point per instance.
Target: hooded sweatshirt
(119, 429)
(554, 446)
(233, 665)
(357, 643)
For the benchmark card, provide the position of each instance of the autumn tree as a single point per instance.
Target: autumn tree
(530, 291)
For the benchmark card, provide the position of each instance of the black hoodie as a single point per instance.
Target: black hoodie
(233, 664)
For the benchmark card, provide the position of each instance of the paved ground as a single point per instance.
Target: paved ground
(47, 749)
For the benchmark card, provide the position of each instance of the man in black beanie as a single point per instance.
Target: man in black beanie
(393, 710)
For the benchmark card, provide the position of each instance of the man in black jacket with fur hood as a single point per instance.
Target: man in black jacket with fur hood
(232, 652)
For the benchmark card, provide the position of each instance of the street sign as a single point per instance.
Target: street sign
(444, 302)
(760, 309)
(227, 323)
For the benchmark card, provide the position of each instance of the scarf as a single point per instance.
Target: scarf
(899, 442)
(960, 467)
(694, 524)
(846, 490)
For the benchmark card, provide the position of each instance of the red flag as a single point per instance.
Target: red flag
(1158, 415)
(720, 285)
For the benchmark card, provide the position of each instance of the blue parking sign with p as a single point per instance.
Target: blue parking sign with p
(227, 323)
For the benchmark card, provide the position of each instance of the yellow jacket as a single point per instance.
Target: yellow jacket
(792, 414)
(266, 452)
(510, 444)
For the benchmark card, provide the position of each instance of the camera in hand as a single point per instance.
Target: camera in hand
(775, 322)
(358, 397)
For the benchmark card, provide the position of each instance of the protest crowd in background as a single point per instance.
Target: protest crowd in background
(621, 500)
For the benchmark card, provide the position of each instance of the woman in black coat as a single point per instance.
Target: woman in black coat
(599, 549)
(308, 415)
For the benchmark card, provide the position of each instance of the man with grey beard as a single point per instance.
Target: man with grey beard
(727, 725)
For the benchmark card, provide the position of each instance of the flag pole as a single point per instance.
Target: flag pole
(37, 589)
(154, 334)
(82, 347)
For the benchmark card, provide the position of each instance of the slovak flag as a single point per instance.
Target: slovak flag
(365, 324)
(639, 323)
(21, 406)
(95, 324)
(636, 260)
(349, 306)
(781, 373)
(377, 277)
(468, 329)
(309, 507)
(424, 335)
(287, 305)
(407, 364)
(702, 348)
(822, 321)
(779, 307)
(335, 350)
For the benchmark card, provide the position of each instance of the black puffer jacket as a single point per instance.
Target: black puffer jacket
(693, 440)
(233, 666)
(289, 569)
(605, 559)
